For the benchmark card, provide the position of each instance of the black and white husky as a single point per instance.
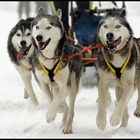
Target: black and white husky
(57, 78)
(20, 50)
(117, 64)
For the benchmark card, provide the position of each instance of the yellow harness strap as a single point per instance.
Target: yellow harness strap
(126, 62)
(54, 71)
(56, 68)
(123, 67)
(42, 66)
(108, 64)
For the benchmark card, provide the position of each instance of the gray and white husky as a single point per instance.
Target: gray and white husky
(118, 65)
(20, 50)
(57, 78)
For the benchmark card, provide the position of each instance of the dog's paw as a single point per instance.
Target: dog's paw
(35, 102)
(25, 94)
(50, 116)
(101, 122)
(115, 119)
(67, 129)
(137, 112)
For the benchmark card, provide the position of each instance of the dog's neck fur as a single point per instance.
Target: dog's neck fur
(26, 63)
(118, 59)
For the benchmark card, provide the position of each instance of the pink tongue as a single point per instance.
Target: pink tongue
(116, 42)
(20, 55)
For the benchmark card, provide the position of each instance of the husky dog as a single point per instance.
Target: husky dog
(56, 77)
(20, 50)
(137, 111)
(117, 65)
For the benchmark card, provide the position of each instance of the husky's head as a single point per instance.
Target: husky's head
(20, 39)
(114, 31)
(47, 33)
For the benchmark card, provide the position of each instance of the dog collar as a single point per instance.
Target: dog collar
(117, 71)
(47, 57)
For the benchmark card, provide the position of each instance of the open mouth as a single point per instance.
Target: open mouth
(43, 45)
(26, 51)
(113, 44)
(23, 51)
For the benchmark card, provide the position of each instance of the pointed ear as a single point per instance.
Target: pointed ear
(40, 12)
(59, 14)
(106, 13)
(123, 13)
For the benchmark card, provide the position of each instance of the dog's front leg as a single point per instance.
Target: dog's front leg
(67, 129)
(137, 111)
(58, 98)
(127, 92)
(45, 88)
(109, 100)
(26, 95)
(26, 77)
(101, 114)
(125, 117)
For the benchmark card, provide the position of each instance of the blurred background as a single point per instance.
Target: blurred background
(23, 9)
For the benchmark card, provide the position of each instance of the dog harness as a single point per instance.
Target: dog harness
(51, 73)
(117, 71)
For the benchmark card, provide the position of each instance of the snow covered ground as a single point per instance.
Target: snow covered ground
(18, 118)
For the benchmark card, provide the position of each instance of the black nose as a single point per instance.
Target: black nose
(39, 37)
(23, 43)
(109, 36)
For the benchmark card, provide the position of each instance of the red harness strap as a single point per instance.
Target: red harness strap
(72, 40)
(89, 58)
(85, 49)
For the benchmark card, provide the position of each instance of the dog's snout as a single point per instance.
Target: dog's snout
(23, 43)
(39, 37)
(109, 36)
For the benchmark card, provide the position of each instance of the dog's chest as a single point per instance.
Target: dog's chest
(118, 60)
(60, 77)
(126, 78)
